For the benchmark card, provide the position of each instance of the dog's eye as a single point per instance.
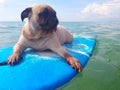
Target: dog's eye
(44, 14)
(40, 15)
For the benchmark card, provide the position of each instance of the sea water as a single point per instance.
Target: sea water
(103, 69)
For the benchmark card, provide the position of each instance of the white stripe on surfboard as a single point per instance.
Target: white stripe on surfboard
(79, 52)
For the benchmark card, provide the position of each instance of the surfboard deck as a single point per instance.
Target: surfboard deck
(43, 70)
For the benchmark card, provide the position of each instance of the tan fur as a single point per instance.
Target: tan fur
(36, 36)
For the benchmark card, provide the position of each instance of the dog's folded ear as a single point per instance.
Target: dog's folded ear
(25, 13)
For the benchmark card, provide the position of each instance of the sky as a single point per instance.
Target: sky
(67, 10)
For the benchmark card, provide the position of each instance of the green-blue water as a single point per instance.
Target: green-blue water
(103, 69)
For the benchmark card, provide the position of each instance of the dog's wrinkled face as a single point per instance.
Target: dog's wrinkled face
(43, 15)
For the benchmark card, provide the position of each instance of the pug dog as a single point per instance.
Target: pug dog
(41, 32)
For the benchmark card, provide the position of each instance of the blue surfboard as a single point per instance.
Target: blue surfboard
(43, 70)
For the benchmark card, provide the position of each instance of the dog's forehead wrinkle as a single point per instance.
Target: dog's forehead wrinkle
(41, 7)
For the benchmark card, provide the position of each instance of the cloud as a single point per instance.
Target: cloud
(96, 11)
(1, 1)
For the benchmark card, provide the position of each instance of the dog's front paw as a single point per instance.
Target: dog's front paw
(14, 59)
(74, 63)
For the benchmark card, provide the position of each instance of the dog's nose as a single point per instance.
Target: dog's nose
(44, 13)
